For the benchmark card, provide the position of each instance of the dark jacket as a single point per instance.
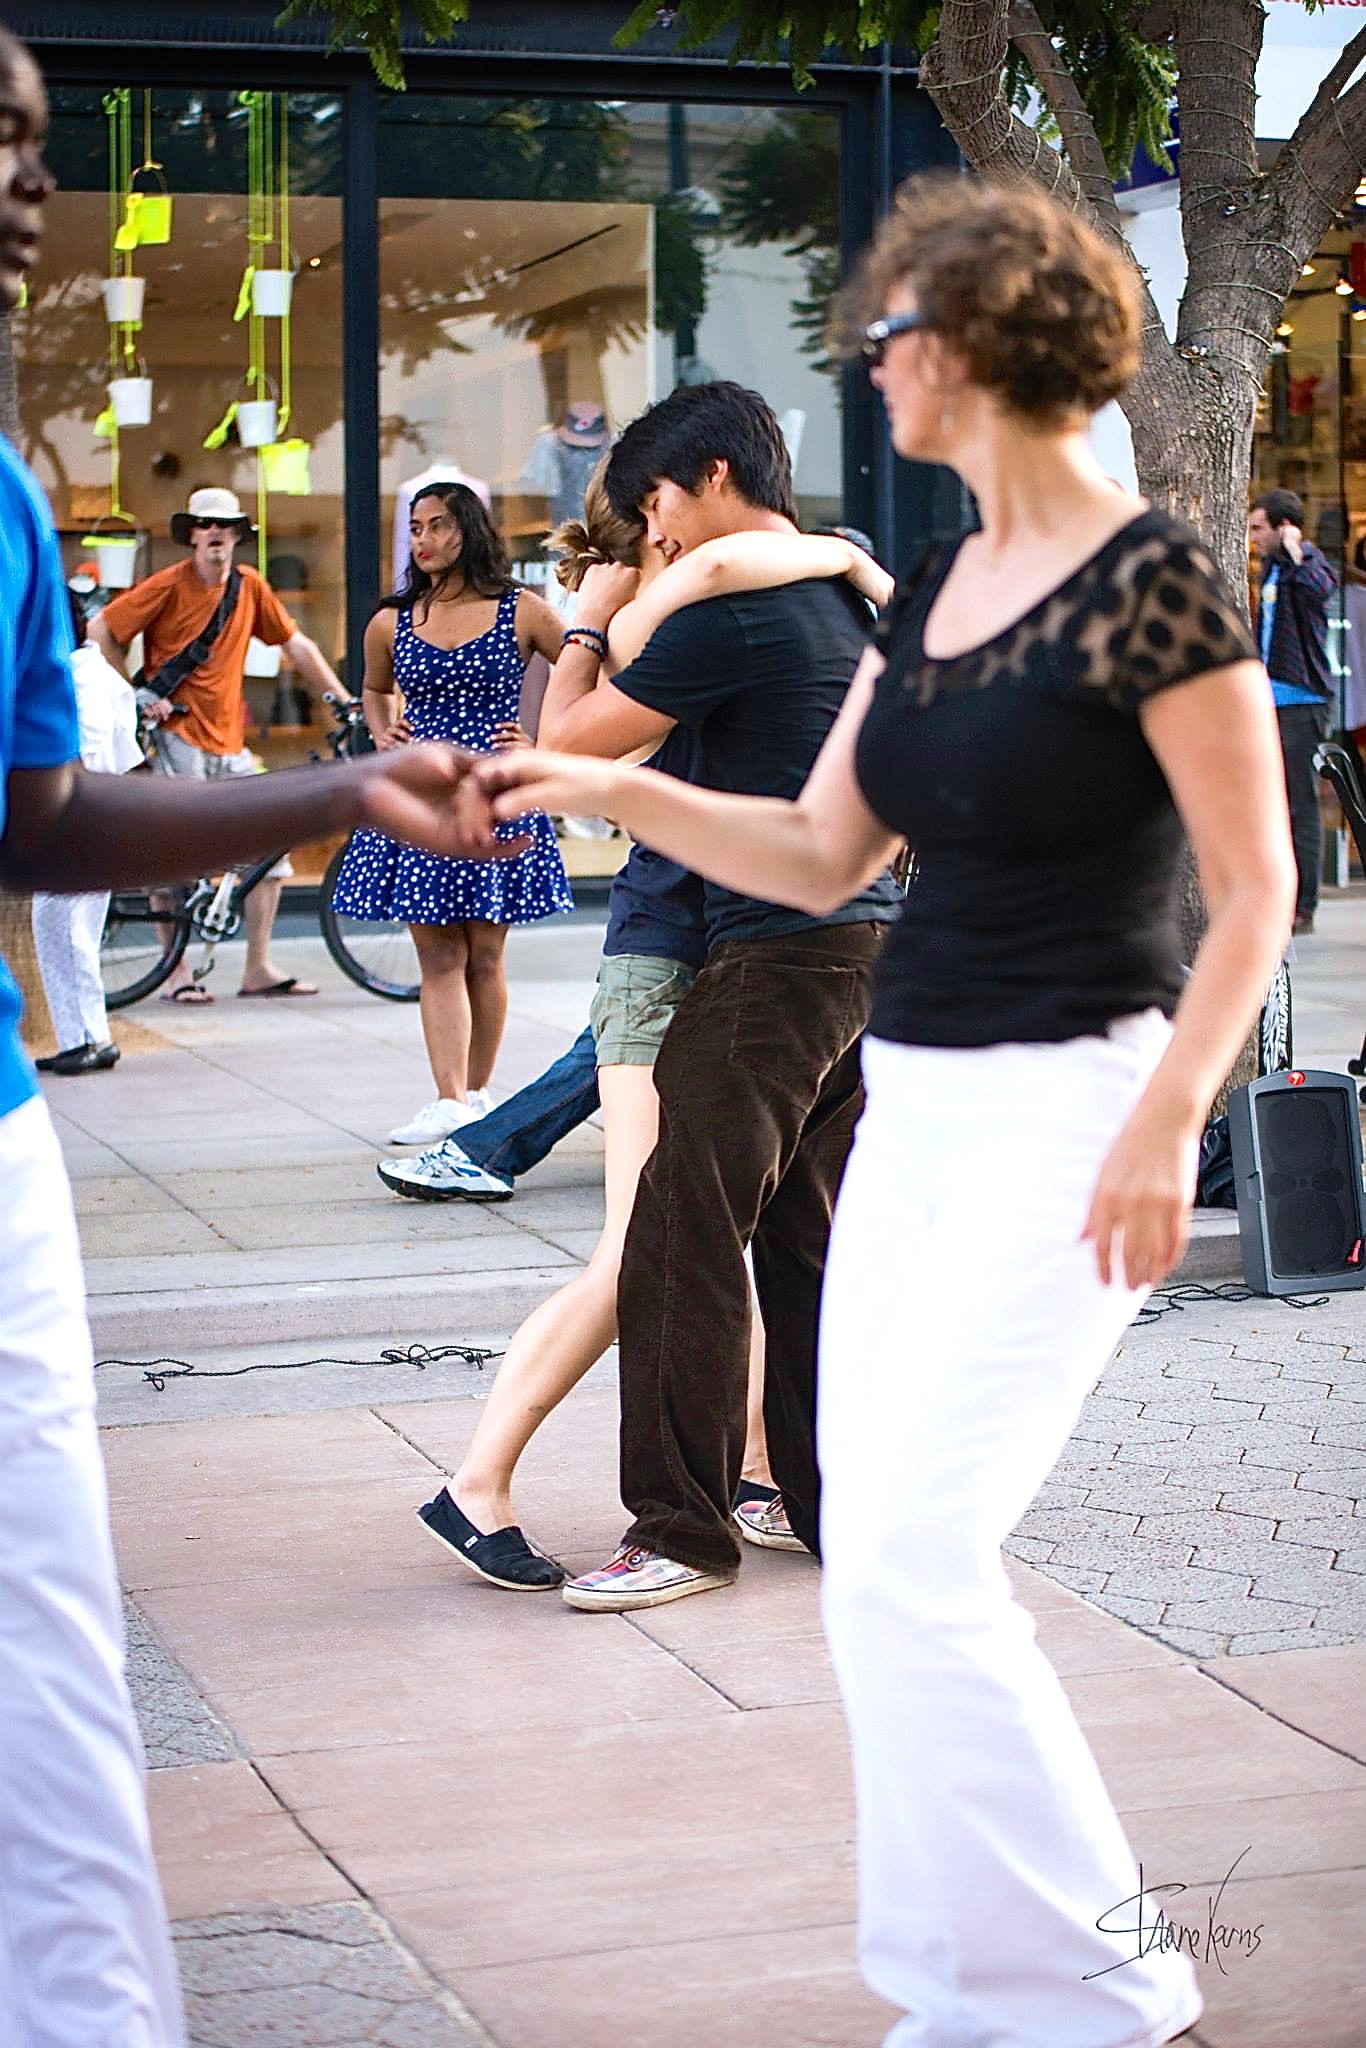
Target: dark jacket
(1299, 633)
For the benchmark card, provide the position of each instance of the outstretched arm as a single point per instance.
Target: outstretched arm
(814, 854)
(68, 830)
(739, 561)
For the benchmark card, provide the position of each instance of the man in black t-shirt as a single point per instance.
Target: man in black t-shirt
(758, 1077)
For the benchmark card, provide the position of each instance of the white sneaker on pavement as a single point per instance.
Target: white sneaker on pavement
(434, 1121)
(444, 1174)
(479, 1100)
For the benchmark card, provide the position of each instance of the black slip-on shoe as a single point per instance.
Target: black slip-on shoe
(80, 1059)
(504, 1558)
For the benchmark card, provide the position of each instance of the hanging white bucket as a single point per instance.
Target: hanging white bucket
(271, 291)
(261, 660)
(123, 297)
(116, 557)
(131, 398)
(256, 422)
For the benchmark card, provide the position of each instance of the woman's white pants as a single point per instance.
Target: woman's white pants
(66, 935)
(85, 1954)
(963, 1324)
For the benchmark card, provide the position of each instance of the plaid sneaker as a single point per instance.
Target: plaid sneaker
(640, 1578)
(444, 1174)
(765, 1522)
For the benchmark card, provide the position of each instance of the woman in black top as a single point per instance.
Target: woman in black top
(1050, 702)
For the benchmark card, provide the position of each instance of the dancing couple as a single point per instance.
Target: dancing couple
(1051, 703)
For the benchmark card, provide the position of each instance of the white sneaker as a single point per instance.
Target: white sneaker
(445, 1174)
(479, 1100)
(434, 1121)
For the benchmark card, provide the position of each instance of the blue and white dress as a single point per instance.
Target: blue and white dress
(461, 694)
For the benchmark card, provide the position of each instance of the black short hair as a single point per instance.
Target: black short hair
(1280, 506)
(78, 632)
(678, 440)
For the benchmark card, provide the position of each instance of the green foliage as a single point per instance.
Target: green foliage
(1126, 81)
(375, 27)
(784, 187)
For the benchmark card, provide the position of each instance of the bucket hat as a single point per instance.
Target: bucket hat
(583, 426)
(210, 503)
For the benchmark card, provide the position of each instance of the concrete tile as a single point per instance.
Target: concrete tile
(350, 1698)
(500, 1249)
(107, 1235)
(800, 1987)
(230, 1456)
(298, 1532)
(390, 1814)
(222, 1842)
(1318, 1691)
(321, 1185)
(1305, 1980)
(1170, 1736)
(1275, 1834)
(722, 1892)
(122, 1194)
(381, 1218)
(1080, 1640)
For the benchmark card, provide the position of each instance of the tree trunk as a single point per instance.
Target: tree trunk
(17, 952)
(16, 927)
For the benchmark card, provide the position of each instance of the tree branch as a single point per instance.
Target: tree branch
(1077, 129)
(1317, 170)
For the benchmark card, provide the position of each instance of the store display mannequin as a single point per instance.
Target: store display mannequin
(563, 458)
(439, 473)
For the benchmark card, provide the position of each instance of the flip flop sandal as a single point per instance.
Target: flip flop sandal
(290, 986)
(191, 995)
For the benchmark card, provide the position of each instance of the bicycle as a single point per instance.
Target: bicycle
(147, 932)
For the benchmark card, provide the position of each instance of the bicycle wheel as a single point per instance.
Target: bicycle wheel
(378, 956)
(141, 946)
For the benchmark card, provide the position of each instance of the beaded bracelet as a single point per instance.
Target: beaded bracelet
(589, 636)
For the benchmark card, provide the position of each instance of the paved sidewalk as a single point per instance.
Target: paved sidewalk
(394, 1807)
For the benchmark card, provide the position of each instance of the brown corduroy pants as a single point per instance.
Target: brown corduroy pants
(759, 1093)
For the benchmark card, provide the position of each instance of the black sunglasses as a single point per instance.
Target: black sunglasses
(881, 333)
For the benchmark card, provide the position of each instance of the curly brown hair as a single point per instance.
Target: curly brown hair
(602, 535)
(1044, 309)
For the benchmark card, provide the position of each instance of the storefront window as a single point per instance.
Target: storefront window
(548, 268)
(193, 350)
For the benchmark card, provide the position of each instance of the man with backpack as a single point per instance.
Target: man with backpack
(197, 620)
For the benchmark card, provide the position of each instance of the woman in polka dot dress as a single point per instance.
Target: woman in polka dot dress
(453, 645)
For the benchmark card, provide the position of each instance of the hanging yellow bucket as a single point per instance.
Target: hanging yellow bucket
(146, 215)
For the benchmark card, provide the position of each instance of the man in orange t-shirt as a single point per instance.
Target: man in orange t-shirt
(173, 608)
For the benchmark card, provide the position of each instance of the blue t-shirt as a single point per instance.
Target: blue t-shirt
(655, 907)
(1281, 693)
(38, 726)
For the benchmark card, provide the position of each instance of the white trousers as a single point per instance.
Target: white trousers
(963, 1324)
(66, 935)
(85, 1954)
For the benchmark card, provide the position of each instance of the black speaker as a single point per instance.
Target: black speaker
(1297, 1171)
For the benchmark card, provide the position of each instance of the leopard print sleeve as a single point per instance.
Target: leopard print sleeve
(1182, 618)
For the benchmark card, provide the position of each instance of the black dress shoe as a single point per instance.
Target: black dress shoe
(80, 1059)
